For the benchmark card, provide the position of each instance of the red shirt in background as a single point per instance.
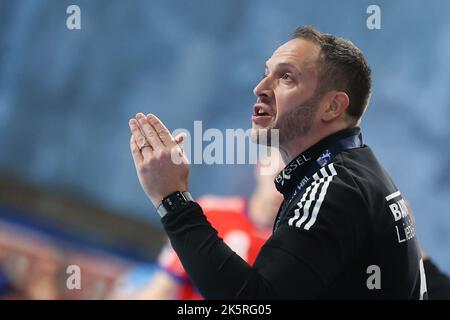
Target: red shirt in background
(229, 216)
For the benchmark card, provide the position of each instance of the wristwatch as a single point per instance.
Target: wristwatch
(174, 201)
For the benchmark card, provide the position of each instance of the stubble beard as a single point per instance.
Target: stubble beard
(298, 122)
(294, 124)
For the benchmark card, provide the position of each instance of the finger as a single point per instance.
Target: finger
(179, 139)
(137, 155)
(161, 130)
(140, 138)
(149, 132)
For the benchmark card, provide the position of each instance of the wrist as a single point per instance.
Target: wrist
(173, 202)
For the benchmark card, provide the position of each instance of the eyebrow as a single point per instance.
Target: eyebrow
(284, 65)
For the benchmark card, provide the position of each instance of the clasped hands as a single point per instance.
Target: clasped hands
(161, 164)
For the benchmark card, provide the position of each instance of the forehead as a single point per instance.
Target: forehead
(299, 52)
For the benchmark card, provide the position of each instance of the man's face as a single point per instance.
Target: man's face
(286, 97)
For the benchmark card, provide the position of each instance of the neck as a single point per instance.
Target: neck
(295, 147)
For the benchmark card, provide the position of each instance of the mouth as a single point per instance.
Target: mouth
(261, 110)
(261, 114)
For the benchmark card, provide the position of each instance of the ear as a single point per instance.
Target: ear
(338, 102)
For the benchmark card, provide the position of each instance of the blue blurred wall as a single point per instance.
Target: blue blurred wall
(66, 96)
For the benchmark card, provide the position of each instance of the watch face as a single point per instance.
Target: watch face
(175, 201)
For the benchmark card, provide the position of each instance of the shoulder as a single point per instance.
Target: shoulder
(333, 180)
(331, 197)
(360, 168)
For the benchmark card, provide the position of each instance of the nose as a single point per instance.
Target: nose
(263, 89)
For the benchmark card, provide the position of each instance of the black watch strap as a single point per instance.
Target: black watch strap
(174, 201)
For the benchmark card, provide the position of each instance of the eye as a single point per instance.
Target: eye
(286, 76)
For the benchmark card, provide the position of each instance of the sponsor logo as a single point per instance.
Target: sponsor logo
(405, 227)
(324, 158)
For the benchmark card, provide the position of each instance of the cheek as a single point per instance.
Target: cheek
(286, 100)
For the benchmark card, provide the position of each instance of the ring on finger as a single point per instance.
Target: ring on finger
(144, 146)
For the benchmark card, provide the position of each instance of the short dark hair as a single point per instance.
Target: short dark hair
(342, 67)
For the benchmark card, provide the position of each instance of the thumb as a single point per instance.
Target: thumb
(178, 155)
(179, 139)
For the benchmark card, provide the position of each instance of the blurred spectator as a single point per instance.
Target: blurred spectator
(438, 283)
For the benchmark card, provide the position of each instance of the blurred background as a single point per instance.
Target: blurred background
(68, 189)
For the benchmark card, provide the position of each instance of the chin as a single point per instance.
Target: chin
(265, 136)
(256, 135)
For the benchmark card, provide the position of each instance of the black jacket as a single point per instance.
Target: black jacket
(343, 231)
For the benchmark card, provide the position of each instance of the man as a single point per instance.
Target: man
(343, 230)
(243, 224)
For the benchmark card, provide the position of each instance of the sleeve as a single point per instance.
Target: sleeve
(313, 243)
